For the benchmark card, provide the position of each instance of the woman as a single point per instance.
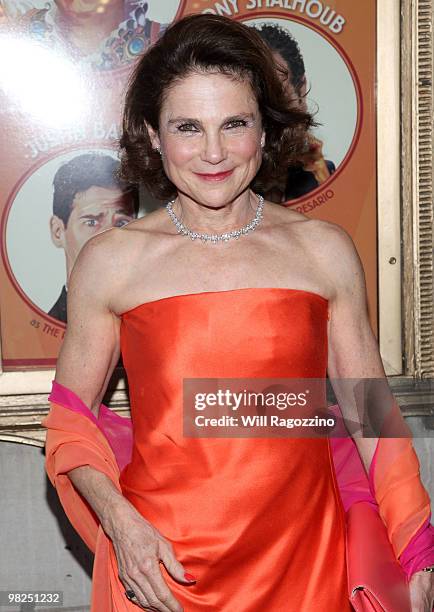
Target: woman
(239, 523)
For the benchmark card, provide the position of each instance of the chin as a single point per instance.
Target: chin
(223, 189)
(217, 195)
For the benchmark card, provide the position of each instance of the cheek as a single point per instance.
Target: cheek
(75, 238)
(246, 148)
(178, 152)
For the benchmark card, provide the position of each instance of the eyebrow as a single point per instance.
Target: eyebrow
(119, 211)
(226, 120)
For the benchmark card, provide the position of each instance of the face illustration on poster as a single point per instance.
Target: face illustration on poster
(106, 35)
(78, 196)
(296, 49)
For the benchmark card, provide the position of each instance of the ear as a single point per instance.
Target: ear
(153, 136)
(57, 232)
(263, 136)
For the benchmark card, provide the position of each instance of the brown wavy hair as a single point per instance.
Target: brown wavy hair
(207, 43)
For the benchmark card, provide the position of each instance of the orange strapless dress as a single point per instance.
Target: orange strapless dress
(258, 521)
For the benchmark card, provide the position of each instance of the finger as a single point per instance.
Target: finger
(139, 598)
(145, 597)
(153, 601)
(171, 563)
(159, 587)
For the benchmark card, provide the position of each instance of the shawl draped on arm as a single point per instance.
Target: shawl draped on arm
(75, 438)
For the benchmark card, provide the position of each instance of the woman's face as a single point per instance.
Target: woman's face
(210, 137)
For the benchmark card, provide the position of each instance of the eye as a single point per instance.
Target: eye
(90, 222)
(237, 123)
(122, 222)
(187, 127)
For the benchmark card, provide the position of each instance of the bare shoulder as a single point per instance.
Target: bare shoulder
(335, 254)
(330, 238)
(277, 214)
(336, 243)
(112, 259)
(101, 267)
(94, 271)
(305, 226)
(326, 244)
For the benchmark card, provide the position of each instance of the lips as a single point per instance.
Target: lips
(216, 176)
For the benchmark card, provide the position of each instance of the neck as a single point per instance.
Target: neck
(200, 217)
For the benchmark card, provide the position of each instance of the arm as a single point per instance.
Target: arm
(89, 353)
(90, 349)
(354, 356)
(88, 356)
(353, 353)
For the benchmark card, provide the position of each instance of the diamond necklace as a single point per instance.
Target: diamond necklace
(214, 238)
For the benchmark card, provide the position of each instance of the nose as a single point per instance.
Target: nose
(214, 150)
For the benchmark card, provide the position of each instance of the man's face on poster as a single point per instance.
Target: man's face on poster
(92, 211)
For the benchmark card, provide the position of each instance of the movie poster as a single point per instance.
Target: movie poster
(62, 79)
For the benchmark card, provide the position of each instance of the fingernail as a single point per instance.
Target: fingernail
(189, 577)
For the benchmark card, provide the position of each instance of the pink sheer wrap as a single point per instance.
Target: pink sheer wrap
(355, 486)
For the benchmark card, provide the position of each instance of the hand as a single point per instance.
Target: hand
(313, 150)
(139, 547)
(421, 587)
(313, 160)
